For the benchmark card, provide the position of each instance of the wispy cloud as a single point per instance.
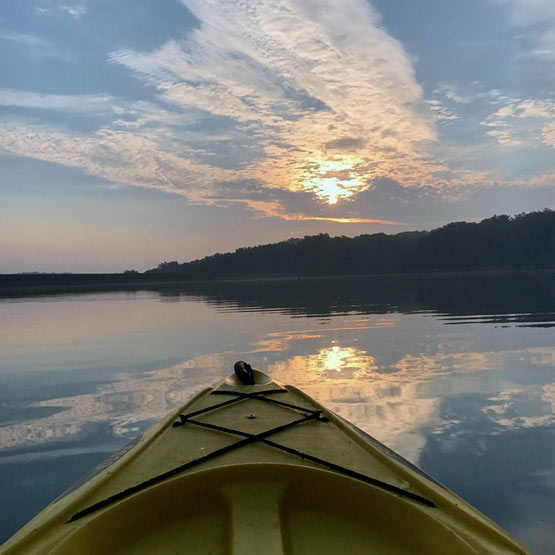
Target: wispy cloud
(548, 134)
(118, 112)
(533, 119)
(536, 19)
(514, 122)
(118, 156)
(469, 93)
(37, 46)
(23, 38)
(534, 108)
(71, 103)
(451, 92)
(300, 76)
(503, 137)
(441, 112)
(77, 10)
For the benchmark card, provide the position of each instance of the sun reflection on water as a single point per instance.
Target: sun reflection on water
(332, 363)
(341, 359)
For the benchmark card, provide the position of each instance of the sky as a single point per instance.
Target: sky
(139, 131)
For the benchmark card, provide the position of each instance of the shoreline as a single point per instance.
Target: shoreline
(26, 285)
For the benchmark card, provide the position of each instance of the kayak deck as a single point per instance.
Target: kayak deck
(255, 469)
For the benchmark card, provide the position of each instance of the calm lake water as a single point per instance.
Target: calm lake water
(455, 374)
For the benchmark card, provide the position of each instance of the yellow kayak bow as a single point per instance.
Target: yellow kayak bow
(255, 467)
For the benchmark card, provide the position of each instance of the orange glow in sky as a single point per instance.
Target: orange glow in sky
(332, 179)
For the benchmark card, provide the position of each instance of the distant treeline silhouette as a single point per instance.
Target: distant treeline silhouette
(522, 241)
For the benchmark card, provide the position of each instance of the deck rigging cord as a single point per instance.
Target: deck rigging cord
(248, 438)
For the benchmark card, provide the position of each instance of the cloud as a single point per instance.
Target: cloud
(451, 92)
(290, 107)
(311, 99)
(77, 11)
(537, 109)
(23, 38)
(548, 134)
(469, 93)
(515, 409)
(530, 12)
(118, 156)
(440, 111)
(35, 45)
(513, 123)
(536, 18)
(346, 143)
(526, 118)
(543, 110)
(58, 102)
(299, 205)
(118, 112)
(503, 137)
(303, 79)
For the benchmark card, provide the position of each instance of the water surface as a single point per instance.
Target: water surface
(455, 374)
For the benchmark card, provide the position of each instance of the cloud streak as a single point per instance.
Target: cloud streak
(531, 119)
(36, 46)
(77, 11)
(118, 156)
(537, 19)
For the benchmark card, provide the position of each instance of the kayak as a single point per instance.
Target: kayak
(251, 466)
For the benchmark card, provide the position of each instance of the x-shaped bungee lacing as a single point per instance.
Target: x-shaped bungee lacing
(241, 396)
(248, 438)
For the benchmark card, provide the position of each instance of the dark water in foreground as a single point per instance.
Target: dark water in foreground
(455, 374)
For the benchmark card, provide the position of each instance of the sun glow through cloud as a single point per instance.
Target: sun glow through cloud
(333, 179)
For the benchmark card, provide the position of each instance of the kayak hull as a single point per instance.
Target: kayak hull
(256, 469)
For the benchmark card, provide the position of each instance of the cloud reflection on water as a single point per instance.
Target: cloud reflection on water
(399, 403)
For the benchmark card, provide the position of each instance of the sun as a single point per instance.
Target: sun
(332, 180)
(328, 189)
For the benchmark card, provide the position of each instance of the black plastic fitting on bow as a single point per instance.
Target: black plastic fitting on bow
(243, 371)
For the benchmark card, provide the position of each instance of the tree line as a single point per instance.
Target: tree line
(525, 240)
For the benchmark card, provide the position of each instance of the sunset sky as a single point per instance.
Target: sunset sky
(138, 131)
